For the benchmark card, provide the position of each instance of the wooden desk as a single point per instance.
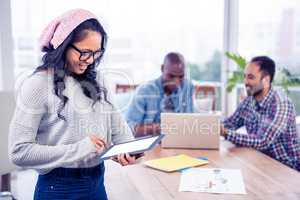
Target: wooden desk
(264, 178)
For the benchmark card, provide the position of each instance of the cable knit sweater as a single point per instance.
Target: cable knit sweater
(42, 141)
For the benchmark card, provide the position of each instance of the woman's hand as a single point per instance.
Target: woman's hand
(98, 143)
(124, 159)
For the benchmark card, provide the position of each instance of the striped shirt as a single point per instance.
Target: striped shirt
(270, 125)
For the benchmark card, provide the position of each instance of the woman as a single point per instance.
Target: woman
(63, 119)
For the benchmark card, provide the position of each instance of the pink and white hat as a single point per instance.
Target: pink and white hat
(58, 29)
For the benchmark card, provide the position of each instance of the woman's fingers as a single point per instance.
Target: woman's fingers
(130, 159)
(122, 160)
(98, 143)
(125, 159)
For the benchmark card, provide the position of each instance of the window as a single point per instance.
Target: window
(272, 28)
(141, 33)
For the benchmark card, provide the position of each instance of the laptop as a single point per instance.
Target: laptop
(190, 130)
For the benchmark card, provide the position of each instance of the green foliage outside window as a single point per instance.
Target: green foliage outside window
(283, 77)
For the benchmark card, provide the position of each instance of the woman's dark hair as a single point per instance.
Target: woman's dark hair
(56, 59)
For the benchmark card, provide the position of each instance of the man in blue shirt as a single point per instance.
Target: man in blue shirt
(171, 92)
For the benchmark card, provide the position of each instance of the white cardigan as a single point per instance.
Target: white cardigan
(42, 141)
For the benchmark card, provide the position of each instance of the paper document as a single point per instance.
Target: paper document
(134, 146)
(212, 180)
(173, 163)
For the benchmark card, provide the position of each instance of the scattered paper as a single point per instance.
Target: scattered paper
(174, 163)
(212, 180)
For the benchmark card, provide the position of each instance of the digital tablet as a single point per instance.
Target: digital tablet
(132, 147)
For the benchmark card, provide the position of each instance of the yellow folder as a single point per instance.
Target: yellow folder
(174, 163)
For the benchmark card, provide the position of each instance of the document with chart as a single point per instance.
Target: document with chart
(212, 180)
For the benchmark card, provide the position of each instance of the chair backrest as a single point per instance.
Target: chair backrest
(122, 88)
(7, 107)
(206, 91)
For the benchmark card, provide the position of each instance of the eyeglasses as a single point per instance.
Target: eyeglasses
(86, 54)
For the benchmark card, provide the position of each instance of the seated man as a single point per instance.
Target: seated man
(268, 116)
(171, 92)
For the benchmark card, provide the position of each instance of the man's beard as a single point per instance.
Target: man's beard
(170, 87)
(254, 90)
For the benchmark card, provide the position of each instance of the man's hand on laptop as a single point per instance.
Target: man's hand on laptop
(223, 131)
(156, 129)
(147, 129)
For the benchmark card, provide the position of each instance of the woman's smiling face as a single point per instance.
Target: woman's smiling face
(90, 48)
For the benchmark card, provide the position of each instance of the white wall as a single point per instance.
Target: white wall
(6, 47)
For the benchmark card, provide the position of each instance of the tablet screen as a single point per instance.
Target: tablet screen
(138, 145)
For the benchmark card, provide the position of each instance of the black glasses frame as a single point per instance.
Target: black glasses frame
(86, 54)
